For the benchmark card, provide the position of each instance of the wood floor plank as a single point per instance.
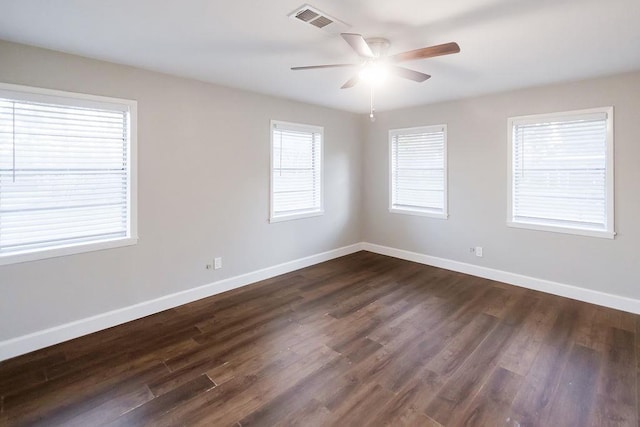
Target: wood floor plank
(247, 363)
(217, 398)
(214, 352)
(533, 400)
(617, 387)
(272, 396)
(379, 287)
(363, 407)
(344, 382)
(573, 401)
(64, 397)
(397, 320)
(37, 360)
(461, 345)
(165, 403)
(111, 409)
(363, 339)
(314, 414)
(295, 397)
(470, 377)
(519, 356)
(405, 407)
(491, 405)
(18, 381)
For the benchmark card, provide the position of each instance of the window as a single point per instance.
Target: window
(561, 172)
(418, 171)
(67, 183)
(296, 171)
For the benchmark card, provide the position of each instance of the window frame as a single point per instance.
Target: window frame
(300, 127)
(59, 97)
(426, 212)
(609, 232)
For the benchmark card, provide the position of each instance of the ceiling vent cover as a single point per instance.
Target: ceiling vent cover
(321, 22)
(306, 15)
(319, 19)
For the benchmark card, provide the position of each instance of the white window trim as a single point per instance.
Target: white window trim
(609, 233)
(302, 128)
(74, 98)
(418, 211)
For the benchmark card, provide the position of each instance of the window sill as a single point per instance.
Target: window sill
(59, 251)
(563, 230)
(416, 212)
(292, 217)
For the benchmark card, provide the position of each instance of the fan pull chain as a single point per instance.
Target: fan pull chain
(371, 114)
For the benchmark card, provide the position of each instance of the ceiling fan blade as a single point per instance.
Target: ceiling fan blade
(406, 73)
(359, 44)
(427, 52)
(351, 82)
(312, 67)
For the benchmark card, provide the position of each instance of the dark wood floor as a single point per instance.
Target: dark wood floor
(360, 340)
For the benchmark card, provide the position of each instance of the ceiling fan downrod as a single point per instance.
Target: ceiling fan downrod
(372, 110)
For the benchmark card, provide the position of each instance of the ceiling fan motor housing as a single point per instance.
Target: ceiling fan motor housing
(379, 46)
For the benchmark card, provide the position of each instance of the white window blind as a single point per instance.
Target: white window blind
(418, 171)
(562, 172)
(65, 172)
(296, 170)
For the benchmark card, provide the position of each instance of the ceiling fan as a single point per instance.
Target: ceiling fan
(376, 63)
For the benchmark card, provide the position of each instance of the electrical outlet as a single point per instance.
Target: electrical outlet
(217, 263)
(478, 251)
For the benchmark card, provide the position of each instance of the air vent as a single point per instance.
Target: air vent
(321, 22)
(318, 19)
(306, 15)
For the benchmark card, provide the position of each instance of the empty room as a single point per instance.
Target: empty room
(355, 213)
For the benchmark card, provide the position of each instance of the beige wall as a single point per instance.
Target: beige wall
(477, 150)
(197, 200)
(203, 190)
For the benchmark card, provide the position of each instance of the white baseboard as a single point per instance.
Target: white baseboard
(40, 339)
(574, 292)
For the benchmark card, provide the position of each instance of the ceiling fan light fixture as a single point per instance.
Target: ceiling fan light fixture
(375, 73)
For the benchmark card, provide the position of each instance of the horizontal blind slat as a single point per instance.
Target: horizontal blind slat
(559, 171)
(296, 170)
(63, 174)
(417, 171)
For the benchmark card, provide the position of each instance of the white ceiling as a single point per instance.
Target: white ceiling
(251, 44)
